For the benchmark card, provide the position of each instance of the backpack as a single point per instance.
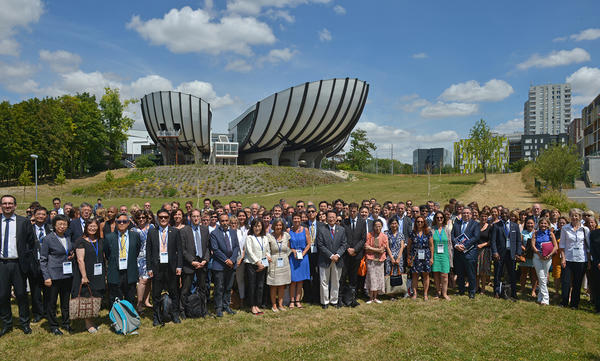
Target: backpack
(195, 305)
(124, 317)
(165, 308)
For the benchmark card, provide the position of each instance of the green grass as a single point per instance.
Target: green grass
(481, 329)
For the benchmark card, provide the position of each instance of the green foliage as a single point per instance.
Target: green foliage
(25, 178)
(169, 191)
(360, 150)
(448, 169)
(518, 165)
(559, 200)
(481, 145)
(558, 166)
(384, 166)
(60, 177)
(145, 161)
(115, 123)
(109, 177)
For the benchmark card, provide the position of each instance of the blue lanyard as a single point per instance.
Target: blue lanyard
(279, 244)
(259, 243)
(95, 245)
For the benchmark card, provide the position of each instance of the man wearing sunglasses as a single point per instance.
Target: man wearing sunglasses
(121, 249)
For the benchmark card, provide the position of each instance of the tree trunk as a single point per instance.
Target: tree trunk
(484, 174)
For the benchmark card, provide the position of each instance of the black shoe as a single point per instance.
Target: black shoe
(219, 313)
(69, 329)
(5, 330)
(176, 319)
(471, 296)
(37, 318)
(56, 332)
(230, 311)
(157, 323)
(354, 304)
(324, 306)
(26, 329)
(338, 305)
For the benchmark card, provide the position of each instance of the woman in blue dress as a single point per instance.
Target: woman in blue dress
(299, 264)
(396, 243)
(142, 219)
(420, 250)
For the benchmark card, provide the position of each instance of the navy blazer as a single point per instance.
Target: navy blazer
(498, 239)
(111, 253)
(219, 248)
(472, 231)
(328, 246)
(52, 256)
(75, 231)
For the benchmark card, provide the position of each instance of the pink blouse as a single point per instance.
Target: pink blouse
(383, 242)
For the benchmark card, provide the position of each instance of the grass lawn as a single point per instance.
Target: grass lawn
(382, 187)
(480, 329)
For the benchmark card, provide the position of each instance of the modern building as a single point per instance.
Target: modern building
(575, 132)
(590, 121)
(431, 160)
(548, 109)
(467, 163)
(515, 147)
(138, 142)
(534, 145)
(299, 125)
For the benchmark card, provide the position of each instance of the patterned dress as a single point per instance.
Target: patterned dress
(420, 243)
(395, 241)
(484, 257)
(141, 259)
(526, 237)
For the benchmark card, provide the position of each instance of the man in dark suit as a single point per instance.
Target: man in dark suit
(225, 247)
(196, 255)
(121, 249)
(505, 238)
(18, 246)
(331, 241)
(356, 235)
(77, 225)
(313, 286)
(36, 282)
(164, 261)
(595, 266)
(465, 237)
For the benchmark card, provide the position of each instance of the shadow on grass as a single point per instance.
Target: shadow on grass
(464, 182)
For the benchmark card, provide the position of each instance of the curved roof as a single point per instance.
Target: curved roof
(174, 111)
(313, 116)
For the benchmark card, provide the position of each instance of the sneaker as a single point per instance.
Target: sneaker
(369, 302)
(377, 301)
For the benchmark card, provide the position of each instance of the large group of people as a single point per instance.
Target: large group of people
(333, 254)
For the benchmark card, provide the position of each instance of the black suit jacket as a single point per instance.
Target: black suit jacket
(26, 249)
(111, 253)
(498, 239)
(328, 246)
(188, 245)
(407, 226)
(75, 231)
(595, 248)
(472, 231)
(356, 238)
(173, 248)
(35, 262)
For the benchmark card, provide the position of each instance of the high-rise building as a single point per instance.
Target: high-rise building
(430, 159)
(548, 109)
(590, 122)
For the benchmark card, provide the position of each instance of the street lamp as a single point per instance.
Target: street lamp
(35, 158)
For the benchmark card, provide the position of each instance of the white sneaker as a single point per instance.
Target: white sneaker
(377, 301)
(369, 302)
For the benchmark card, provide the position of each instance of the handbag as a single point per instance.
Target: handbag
(362, 268)
(399, 284)
(84, 307)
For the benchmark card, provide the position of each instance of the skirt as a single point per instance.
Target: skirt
(375, 280)
(484, 261)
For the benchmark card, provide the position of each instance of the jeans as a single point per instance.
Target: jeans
(542, 266)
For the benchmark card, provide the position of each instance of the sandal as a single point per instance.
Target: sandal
(298, 304)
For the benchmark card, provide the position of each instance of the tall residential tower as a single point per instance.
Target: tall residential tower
(548, 109)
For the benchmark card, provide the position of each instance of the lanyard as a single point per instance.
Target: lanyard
(66, 247)
(279, 244)
(259, 243)
(95, 245)
(163, 241)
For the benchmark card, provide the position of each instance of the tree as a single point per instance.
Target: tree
(360, 150)
(116, 123)
(558, 166)
(25, 180)
(518, 165)
(145, 161)
(60, 178)
(481, 145)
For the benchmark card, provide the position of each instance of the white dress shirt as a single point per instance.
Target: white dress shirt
(575, 243)
(12, 238)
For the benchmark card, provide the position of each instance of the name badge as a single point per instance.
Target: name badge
(313, 248)
(440, 248)
(164, 257)
(299, 254)
(279, 262)
(265, 262)
(67, 268)
(38, 252)
(97, 269)
(421, 254)
(507, 243)
(122, 263)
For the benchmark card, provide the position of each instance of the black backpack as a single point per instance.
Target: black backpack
(165, 307)
(195, 305)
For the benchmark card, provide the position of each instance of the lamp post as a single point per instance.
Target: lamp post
(35, 158)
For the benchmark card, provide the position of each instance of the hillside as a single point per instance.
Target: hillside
(213, 180)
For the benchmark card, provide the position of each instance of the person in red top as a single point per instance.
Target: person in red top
(376, 249)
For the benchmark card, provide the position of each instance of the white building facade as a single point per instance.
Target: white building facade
(548, 109)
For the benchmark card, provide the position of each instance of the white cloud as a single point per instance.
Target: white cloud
(280, 14)
(205, 91)
(16, 14)
(587, 34)
(412, 103)
(61, 61)
(325, 35)
(445, 110)
(254, 7)
(147, 84)
(420, 56)
(404, 141)
(28, 86)
(560, 38)
(187, 30)
(585, 82)
(15, 77)
(279, 55)
(471, 91)
(510, 126)
(555, 58)
(239, 65)
(18, 70)
(339, 9)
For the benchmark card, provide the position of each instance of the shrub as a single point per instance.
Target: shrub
(560, 200)
(145, 161)
(109, 177)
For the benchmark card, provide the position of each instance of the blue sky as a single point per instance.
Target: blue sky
(434, 67)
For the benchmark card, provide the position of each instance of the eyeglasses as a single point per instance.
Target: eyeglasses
(163, 217)
(312, 211)
(142, 217)
(121, 222)
(439, 217)
(420, 222)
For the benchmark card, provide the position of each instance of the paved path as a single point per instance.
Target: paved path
(589, 196)
(505, 189)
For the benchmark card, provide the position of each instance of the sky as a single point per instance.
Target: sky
(434, 67)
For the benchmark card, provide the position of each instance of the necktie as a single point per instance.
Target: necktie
(122, 250)
(506, 229)
(198, 245)
(5, 247)
(41, 234)
(353, 224)
(227, 243)
(464, 225)
(332, 234)
(312, 231)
